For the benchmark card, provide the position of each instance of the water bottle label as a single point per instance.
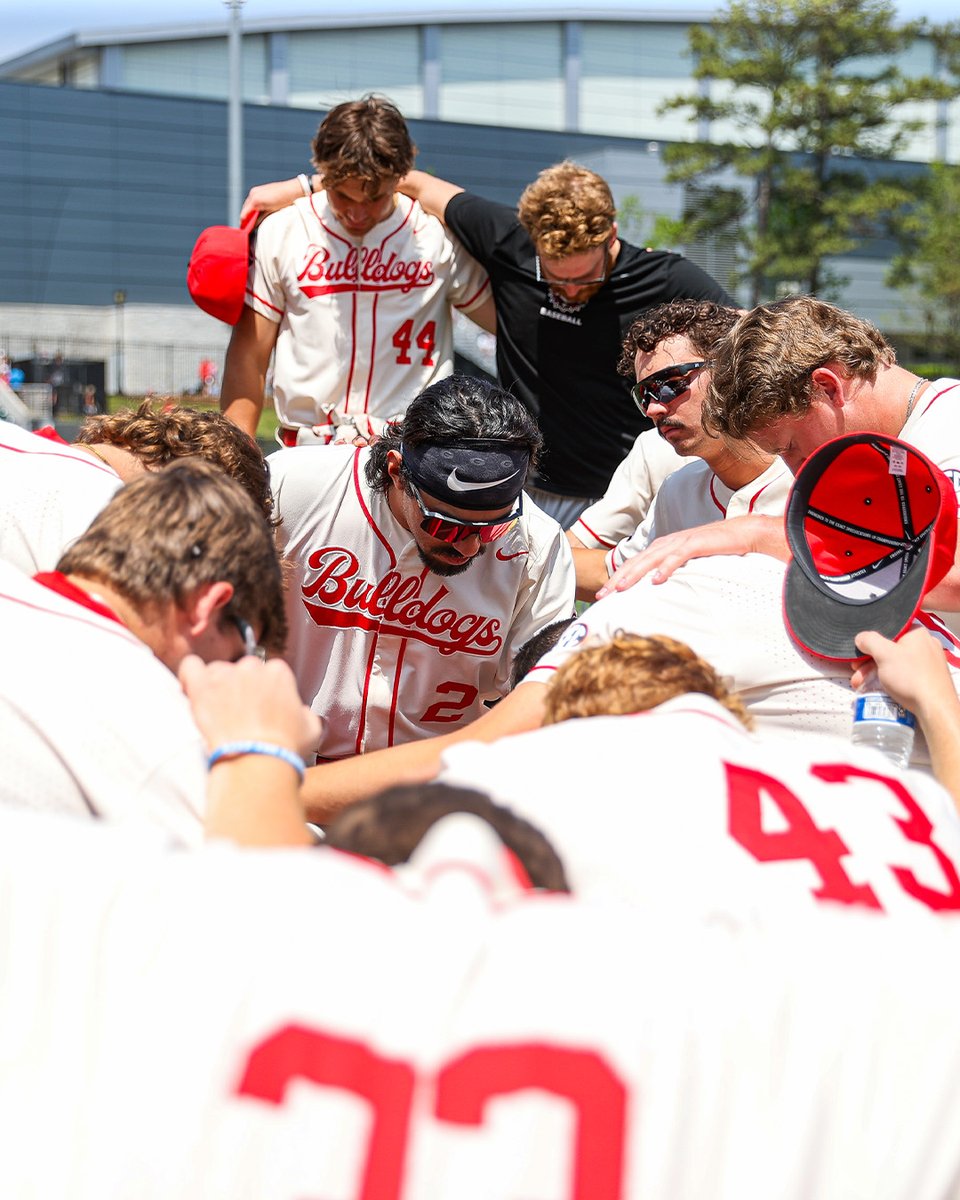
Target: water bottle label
(875, 706)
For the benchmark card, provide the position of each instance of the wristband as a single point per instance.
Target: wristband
(236, 749)
(305, 184)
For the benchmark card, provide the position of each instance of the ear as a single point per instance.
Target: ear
(203, 606)
(393, 467)
(831, 383)
(613, 232)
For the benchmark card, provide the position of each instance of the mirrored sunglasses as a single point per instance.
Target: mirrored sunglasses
(445, 529)
(664, 386)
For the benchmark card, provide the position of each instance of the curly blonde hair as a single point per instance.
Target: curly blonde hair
(568, 209)
(631, 673)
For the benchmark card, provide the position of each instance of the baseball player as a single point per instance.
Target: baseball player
(417, 567)
(92, 720)
(49, 494)
(791, 376)
(760, 826)
(352, 287)
(728, 608)
(486, 1042)
(629, 496)
(51, 491)
(668, 349)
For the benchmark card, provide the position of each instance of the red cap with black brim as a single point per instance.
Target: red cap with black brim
(872, 526)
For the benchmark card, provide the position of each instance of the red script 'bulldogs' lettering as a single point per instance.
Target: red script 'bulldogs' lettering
(364, 270)
(395, 604)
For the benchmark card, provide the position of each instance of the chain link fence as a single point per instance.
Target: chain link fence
(133, 368)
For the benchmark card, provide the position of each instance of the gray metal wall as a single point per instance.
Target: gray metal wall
(107, 190)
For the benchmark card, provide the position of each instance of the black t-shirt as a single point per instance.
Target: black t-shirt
(560, 359)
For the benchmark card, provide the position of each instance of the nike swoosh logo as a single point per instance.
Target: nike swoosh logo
(506, 557)
(455, 484)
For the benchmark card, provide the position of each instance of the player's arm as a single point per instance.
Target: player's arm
(914, 671)
(433, 194)
(591, 568)
(485, 315)
(331, 787)
(739, 535)
(946, 595)
(266, 198)
(252, 798)
(574, 542)
(245, 369)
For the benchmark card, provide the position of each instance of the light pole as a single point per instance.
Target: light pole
(234, 113)
(119, 300)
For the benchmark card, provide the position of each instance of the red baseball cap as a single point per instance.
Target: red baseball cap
(872, 525)
(217, 273)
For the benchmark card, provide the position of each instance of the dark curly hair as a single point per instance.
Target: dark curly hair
(701, 322)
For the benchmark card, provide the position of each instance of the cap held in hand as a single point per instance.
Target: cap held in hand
(872, 526)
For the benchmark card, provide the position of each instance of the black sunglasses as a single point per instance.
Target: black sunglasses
(664, 386)
(445, 529)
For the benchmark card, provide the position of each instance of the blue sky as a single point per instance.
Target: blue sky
(27, 24)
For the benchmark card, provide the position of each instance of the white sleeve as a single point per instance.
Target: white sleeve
(469, 283)
(630, 493)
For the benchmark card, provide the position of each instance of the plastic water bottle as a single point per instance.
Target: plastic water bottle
(879, 721)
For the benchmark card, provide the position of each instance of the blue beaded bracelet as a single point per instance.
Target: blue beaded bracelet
(236, 749)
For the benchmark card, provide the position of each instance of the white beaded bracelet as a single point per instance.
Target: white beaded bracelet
(305, 185)
(237, 749)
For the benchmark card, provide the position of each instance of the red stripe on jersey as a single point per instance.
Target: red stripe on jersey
(406, 218)
(265, 303)
(713, 495)
(366, 689)
(353, 347)
(593, 533)
(923, 407)
(394, 699)
(314, 199)
(473, 299)
(366, 511)
(373, 356)
(756, 496)
(43, 448)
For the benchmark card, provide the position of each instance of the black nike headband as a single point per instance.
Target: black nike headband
(470, 473)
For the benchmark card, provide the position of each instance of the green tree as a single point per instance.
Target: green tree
(929, 262)
(811, 89)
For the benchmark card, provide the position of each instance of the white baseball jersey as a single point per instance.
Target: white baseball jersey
(729, 609)
(49, 494)
(365, 323)
(695, 496)
(933, 426)
(630, 492)
(455, 1040)
(383, 650)
(716, 820)
(90, 721)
